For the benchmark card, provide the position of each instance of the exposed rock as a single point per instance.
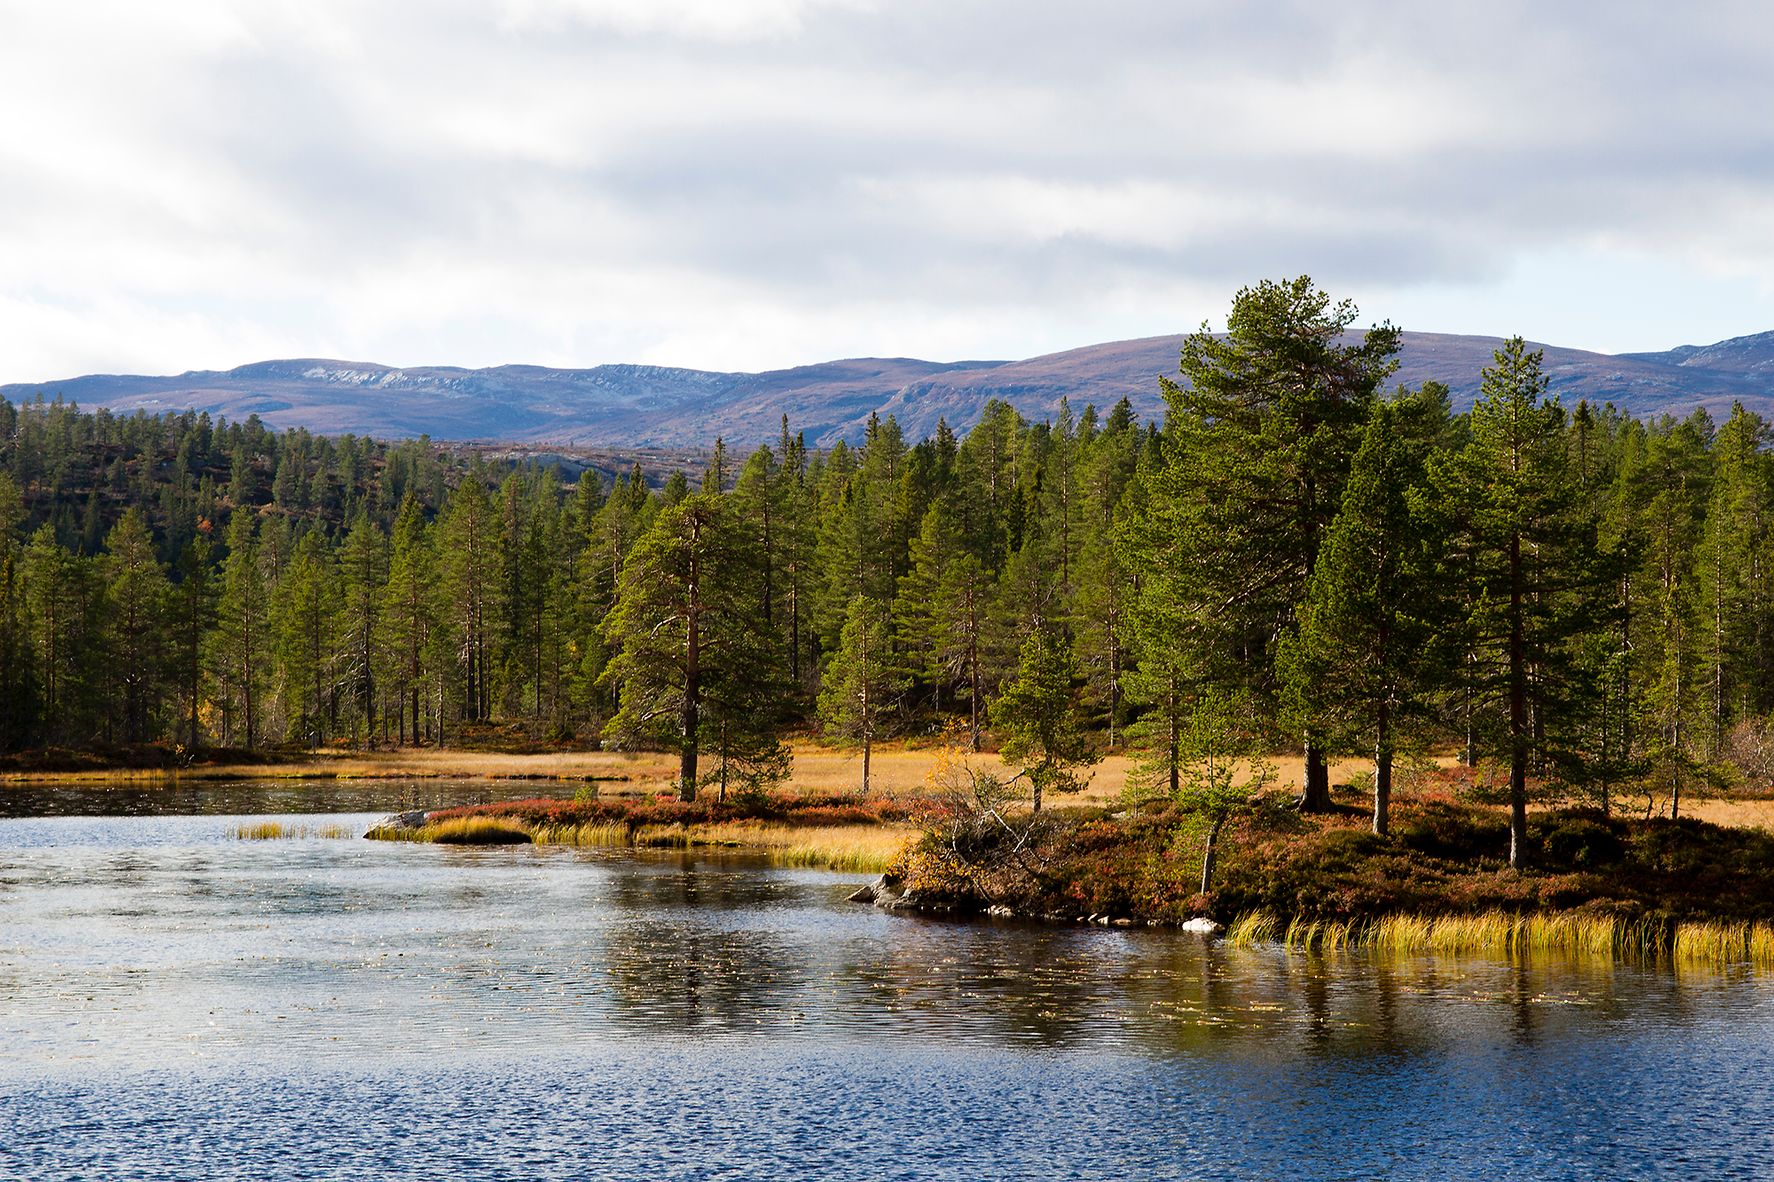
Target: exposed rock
(406, 822)
(890, 894)
(1202, 925)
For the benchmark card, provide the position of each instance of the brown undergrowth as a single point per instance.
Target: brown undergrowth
(1444, 858)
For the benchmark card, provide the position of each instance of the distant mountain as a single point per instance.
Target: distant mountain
(632, 406)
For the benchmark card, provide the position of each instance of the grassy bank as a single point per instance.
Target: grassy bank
(829, 831)
(1706, 943)
(1441, 882)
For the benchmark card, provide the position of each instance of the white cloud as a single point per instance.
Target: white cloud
(746, 183)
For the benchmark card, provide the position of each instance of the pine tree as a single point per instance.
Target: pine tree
(1730, 576)
(472, 594)
(135, 602)
(1222, 770)
(961, 623)
(241, 641)
(1538, 575)
(18, 714)
(303, 612)
(193, 610)
(363, 576)
(1261, 436)
(683, 628)
(915, 606)
(1360, 658)
(1037, 718)
(862, 681)
(407, 617)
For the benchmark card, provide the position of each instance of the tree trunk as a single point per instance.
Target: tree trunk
(1208, 852)
(1382, 772)
(974, 689)
(690, 718)
(1518, 714)
(1174, 754)
(1315, 795)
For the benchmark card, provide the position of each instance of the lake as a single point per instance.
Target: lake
(180, 1003)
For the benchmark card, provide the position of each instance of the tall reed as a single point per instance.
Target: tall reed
(282, 831)
(1497, 933)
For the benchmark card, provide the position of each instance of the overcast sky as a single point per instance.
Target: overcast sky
(745, 184)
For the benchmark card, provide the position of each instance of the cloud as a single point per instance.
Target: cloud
(749, 183)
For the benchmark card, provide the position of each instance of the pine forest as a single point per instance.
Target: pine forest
(1304, 556)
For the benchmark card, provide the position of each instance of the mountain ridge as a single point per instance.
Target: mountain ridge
(633, 405)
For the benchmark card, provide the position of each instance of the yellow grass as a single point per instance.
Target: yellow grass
(855, 848)
(419, 763)
(281, 831)
(1708, 944)
(1739, 813)
(477, 831)
(1712, 945)
(897, 769)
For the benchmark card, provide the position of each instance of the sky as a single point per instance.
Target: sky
(750, 184)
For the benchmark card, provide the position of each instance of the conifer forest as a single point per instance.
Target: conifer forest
(1302, 556)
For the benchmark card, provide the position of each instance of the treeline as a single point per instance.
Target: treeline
(1297, 556)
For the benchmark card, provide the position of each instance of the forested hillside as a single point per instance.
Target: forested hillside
(1304, 554)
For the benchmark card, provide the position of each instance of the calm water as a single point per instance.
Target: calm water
(176, 1003)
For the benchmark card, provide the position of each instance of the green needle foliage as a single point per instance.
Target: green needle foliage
(1256, 452)
(1361, 660)
(1039, 721)
(863, 682)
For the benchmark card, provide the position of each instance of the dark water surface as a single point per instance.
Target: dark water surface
(177, 1003)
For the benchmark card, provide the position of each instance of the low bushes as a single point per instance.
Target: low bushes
(1445, 858)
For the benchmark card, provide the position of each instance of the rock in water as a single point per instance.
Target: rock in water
(1203, 925)
(407, 822)
(889, 894)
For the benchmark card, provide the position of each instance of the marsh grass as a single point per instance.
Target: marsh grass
(477, 831)
(281, 831)
(1495, 933)
(863, 849)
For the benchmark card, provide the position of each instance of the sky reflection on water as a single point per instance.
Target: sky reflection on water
(256, 994)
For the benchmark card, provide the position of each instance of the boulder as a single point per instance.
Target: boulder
(1203, 926)
(407, 822)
